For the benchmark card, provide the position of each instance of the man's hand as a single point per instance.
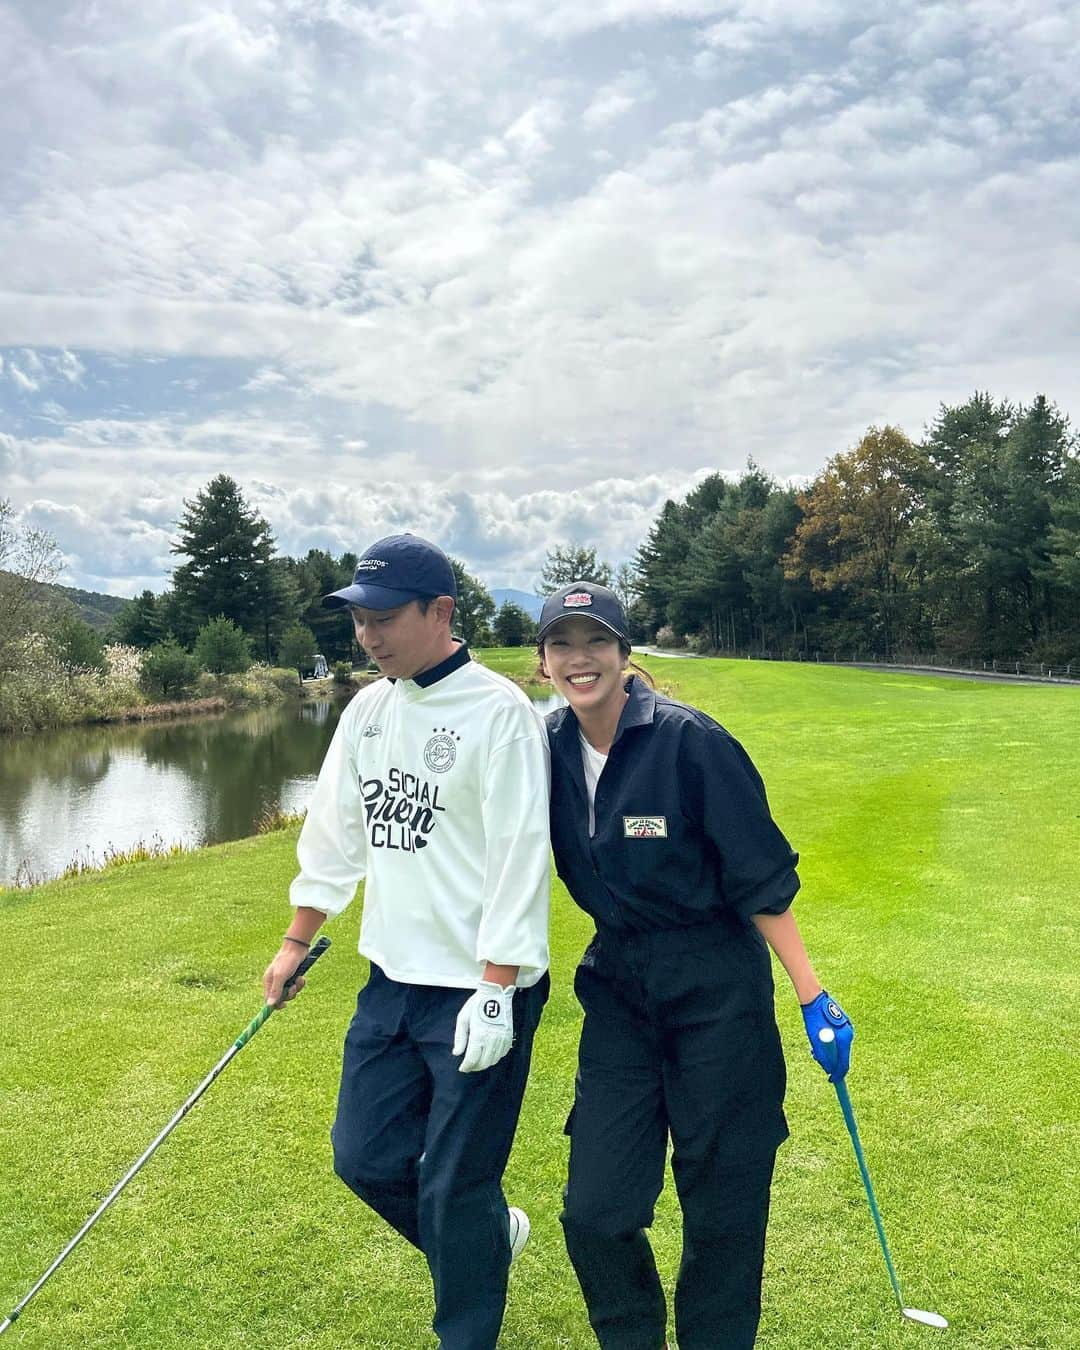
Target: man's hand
(834, 1053)
(485, 1027)
(278, 971)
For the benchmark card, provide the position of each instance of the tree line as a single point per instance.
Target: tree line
(233, 595)
(966, 543)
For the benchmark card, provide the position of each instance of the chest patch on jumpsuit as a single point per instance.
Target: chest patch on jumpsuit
(644, 827)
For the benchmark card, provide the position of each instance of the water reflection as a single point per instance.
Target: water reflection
(79, 791)
(82, 790)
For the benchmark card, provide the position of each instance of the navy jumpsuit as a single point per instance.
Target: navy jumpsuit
(679, 1035)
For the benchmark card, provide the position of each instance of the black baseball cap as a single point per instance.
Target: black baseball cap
(395, 570)
(588, 598)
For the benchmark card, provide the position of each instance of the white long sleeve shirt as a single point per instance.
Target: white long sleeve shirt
(436, 791)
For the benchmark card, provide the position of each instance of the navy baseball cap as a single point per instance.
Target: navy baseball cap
(395, 570)
(588, 598)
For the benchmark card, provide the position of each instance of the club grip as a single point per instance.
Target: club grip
(308, 961)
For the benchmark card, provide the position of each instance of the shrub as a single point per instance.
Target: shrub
(124, 662)
(38, 690)
(298, 646)
(282, 679)
(168, 670)
(77, 645)
(254, 687)
(1057, 650)
(207, 684)
(342, 672)
(667, 637)
(274, 818)
(513, 627)
(222, 647)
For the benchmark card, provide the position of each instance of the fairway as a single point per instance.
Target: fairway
(938, 823)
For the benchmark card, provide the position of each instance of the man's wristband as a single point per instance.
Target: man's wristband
(299, 941)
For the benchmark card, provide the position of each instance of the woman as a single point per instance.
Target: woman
(662, 832)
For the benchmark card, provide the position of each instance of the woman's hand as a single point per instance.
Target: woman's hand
(834, 1052)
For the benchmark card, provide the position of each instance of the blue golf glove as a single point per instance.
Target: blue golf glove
(834, 1052)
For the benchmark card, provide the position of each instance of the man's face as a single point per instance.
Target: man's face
(403, 642)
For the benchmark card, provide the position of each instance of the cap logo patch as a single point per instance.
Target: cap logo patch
(370, 562)
(644, 827)
(577, 600)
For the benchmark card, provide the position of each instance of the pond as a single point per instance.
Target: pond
(81, 792)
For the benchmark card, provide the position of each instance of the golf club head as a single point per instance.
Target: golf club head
(928, 1319)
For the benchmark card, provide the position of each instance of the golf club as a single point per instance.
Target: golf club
(242, 1040)
(928, 1319)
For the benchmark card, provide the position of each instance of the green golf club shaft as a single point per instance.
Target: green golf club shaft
(853, 1130)
(234, 1049)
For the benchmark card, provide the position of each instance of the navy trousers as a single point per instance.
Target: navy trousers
(679, 1039)
(426, 1145)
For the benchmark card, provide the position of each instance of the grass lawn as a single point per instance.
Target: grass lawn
(938, 822)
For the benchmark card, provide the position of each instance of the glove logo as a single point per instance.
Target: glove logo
(492, 1009)
(834, 1012)
(441, 750)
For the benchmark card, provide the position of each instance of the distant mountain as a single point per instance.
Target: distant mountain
(531, 604)
(97, 609)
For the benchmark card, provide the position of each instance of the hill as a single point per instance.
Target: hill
(97, 609)
(531, 604)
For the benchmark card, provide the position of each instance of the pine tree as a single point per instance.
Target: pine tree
(572, 563)
(513, 627)
(232, 570)
(139, 623)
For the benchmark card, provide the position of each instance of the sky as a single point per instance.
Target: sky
(510, 273)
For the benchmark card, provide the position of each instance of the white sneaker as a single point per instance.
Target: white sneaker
(519, 1232)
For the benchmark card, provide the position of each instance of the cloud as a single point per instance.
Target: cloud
(111, 545)
(613, 100)
(483, 251)
(31, 370)
(21, 380)
(530, 133)
(9, 453)
(502, 535)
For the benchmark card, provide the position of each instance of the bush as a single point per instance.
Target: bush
(257, 686)
(282, 679)
(342, 672)
(298, 646)
(513, 627)
(37, 690)
(1056, 651)
(77, 645)
(222, 647)
(167, 670)
(667, 637)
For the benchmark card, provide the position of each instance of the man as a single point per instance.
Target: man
(434, 788)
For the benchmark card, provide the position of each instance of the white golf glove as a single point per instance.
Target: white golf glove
(485, 1027)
